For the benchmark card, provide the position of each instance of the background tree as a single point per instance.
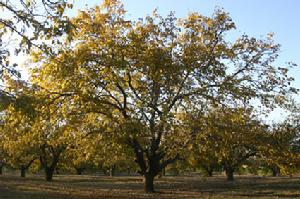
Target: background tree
(21, 151)
(17, 120)
(3, 154)
(77, 157)
(204, 157)
(40, 129)
(233, 135)
(278, 153)
(54, 134)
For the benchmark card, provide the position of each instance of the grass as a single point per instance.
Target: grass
(93, 187)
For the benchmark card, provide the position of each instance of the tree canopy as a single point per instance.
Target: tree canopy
(133, 82)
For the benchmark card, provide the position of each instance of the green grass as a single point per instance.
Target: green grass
(92, 187)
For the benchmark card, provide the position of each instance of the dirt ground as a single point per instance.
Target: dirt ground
(93, 187)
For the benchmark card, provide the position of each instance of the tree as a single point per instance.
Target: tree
(201, 154)
(21, 152)
(139, 74)
(54, 133)
(232, 135)
(204, 157)
(34, 128)
(278, 152)
(77, 157)
(3, 155)
(17, 119)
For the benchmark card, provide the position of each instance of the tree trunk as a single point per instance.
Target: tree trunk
(209, 172)
(149, 183)
(151, 161)
(275, 171)
(229, 173)
(112, 170)
(1, 169)
(49, 173)
(128, 170)
(23, 171)
(79, 171)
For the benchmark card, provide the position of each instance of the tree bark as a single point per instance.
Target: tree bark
(128, 170)
(164, 172)
(112, 170)
(209, 172)
(49, 159)
(79, 171)
(149, 183)
(229, 173)
(1, 169)
(151, 161)
(23, 171)
(275, 171)
(49, 173)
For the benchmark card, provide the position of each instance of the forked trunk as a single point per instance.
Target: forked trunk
(151, 161)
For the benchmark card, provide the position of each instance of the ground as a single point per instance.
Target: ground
(94, 187)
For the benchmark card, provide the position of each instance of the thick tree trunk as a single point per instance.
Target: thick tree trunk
(229, 173)
(149, 183)
(151, 161)
(50, 160)
(49, 174)
(23, 171)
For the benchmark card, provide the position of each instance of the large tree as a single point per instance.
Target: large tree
(140, 74)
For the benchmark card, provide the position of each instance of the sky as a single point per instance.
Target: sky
(254, 17)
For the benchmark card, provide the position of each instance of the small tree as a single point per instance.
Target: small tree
(278, 152)
(233, 136)
(34, 129)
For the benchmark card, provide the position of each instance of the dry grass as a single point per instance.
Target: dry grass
(92, 187)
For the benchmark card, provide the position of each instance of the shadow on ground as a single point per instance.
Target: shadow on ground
(92, 187)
